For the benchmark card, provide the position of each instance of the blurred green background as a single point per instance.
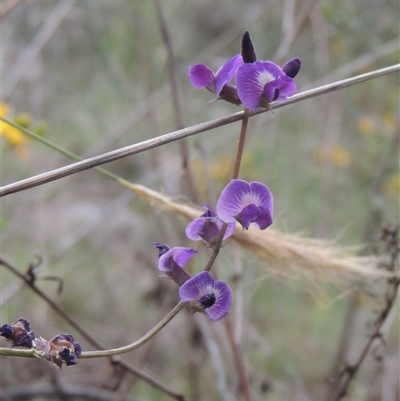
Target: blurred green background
(92, 76)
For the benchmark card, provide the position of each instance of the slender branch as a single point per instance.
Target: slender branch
(217, 248)
(341, 384)
(187, 174)
(238, 359)
(176, 135)
(242, 138)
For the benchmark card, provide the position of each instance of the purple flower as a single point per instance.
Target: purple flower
(204, 294)
(263, 82)
(202, 76)
(208, 228)
(171, 262)
(247, 203)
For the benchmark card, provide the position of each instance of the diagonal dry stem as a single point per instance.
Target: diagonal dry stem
(176, 135)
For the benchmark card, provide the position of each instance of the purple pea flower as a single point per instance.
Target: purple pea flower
(247, 203)
(204, 294)
(171, 262)
(201, 76)
(208, 228)
(263, 82)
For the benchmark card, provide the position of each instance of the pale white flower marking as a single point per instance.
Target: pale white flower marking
(264, 77)
(250, 198)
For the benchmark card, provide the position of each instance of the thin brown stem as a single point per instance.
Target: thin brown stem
(235, 175)
(187, 175)
(242, 139)
(342, 383)
(173, 136)
(216, 248)
(238, 360)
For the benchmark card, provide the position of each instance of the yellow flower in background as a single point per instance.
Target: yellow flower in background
(221, 169)
(391, 187)
(390, 120)
(14, 136)
(336, 155)
(383, 125)
(366, 125)
(339, 47)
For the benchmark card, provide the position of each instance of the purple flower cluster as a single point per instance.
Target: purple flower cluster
(258, 83)
(241, 202)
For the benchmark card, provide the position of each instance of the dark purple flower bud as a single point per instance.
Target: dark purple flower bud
(63, 349)
(162, 249)
(292, 67)
(208, 228)
(246, 203)
(201, 76)
(248, 53)
(171, 262)
(19, 333)
(263, 82)
(204, 294)
(229, 94)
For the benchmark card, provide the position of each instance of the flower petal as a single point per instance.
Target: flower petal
(249, 214)
(249, 90)
(287, 89)
(179, 255)
(226, 73)
(230, 230)
(229, 204)
(195, 228)
(202, 76)
(208, 228)
(271, 89)
(196, 287)
(280, 89)
(264, 195)
(264, 218)
(222, 303)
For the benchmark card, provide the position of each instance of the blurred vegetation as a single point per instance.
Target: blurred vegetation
(99, 81)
